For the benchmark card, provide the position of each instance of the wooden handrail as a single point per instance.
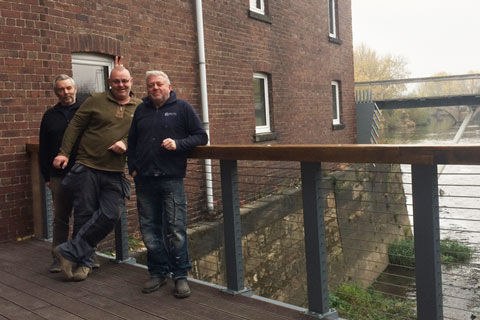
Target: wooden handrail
(349, 153)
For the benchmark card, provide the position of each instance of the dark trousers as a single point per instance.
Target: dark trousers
(99, 198)
(62, 204)
(162, 213)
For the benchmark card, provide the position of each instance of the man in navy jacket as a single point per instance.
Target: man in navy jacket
(54, 123)
(163, 130)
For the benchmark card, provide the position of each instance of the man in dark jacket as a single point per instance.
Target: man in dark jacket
(163, 130)
(53, 125)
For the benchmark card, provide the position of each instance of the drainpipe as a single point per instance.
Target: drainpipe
(204, 97)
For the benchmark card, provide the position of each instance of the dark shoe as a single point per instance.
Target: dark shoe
(182, 290)
(153, 284)
(55, 266)
(96, 262)
(65, 264)
(81, 273)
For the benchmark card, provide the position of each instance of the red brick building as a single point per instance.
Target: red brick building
(277, 72)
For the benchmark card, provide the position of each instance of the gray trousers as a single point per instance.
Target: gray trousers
(99, 199)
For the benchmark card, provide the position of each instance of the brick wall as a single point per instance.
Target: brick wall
(37, 38)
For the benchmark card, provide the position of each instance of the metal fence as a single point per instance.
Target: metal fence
(369, 232)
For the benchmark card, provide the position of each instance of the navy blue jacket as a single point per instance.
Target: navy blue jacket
(177, 120)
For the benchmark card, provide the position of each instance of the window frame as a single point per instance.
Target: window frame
(253, 7)
(94, 59)
(332, 19)
(336, 101)
(265, 128)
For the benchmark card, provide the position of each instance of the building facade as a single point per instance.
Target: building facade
(277, 72)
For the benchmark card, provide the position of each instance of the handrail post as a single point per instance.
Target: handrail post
(315, 242)
(426, 220)
(232, 227)
(121, 239)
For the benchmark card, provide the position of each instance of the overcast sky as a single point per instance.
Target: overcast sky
(433, 35)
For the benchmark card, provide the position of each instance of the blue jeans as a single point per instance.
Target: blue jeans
(162, 213)
(98, 200)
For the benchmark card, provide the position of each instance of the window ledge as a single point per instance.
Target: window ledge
(335, 40)
(259, 16)
(266, 136)
(340, 126)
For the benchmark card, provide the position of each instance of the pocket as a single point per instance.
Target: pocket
(125, 186)
(74, 177)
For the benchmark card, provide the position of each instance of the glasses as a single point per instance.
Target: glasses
(123, 81)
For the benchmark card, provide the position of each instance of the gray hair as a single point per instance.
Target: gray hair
(63, 77)
(153, 73)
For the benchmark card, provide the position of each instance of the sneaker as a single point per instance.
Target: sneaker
(81, 273)
(182, 290)
(153, 284)
(65, 264)
(96, 262)
(55, 266)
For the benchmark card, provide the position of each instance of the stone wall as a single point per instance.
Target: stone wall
(365, 210)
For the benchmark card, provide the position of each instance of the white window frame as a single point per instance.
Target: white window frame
(336, 101)
(265, 128)
(93, 59)
(332, 18)
(253, 6)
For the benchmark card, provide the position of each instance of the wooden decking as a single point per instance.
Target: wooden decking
(29, 291)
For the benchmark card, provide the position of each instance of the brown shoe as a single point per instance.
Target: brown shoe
(96, 262)
(182, 290)
(153, 284)
(81, 273)
(65, 264)
(55, 266)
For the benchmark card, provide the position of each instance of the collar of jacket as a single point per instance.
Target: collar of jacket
(111, 98)
(170, 100)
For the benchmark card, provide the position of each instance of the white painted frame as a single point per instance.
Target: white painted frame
(254, 8)
(266, 127)
(336, 102)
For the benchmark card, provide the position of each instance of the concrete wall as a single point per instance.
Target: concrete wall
(365, 211)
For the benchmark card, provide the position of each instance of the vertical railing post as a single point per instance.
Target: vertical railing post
(232, 227)
(427, 242)
(315, 242)
(121, 239)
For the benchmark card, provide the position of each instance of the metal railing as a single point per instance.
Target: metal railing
(294, 223)
(313, 168)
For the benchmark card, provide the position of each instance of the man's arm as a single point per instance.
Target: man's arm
(43, 157)
(77, 126)
(197, 134)
(132, 146)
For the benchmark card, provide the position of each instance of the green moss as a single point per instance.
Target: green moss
(452, 251)
(353, 302)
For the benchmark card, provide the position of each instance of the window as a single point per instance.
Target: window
(262, 108)
(336, 102)
(332, 18)
(91, 72)
(257, 6)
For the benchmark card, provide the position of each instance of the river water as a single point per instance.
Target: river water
(459, 188)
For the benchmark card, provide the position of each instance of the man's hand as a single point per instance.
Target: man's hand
(169, 144)
(118, 61)
(118, 147)
(60, 162)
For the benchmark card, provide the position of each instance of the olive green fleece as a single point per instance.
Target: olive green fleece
(99, 123)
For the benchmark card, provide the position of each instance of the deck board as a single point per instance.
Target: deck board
(29, 291)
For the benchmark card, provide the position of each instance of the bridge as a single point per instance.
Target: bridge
(368, 108)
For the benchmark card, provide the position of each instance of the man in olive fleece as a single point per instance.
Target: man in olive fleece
(97, 178)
